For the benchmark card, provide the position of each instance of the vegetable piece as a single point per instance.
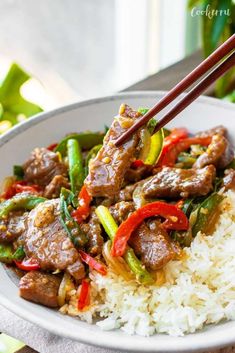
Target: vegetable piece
(143, 110)
(107, 221)
(76, 235)
(175, 219)
(28, 264)
(93, 263)
(18, 172)
(134, 263)
(52, 147)
(6, 253)
(18, 202)
(145, 143)
(84, 297)
(19, 254)
(117, 264)
(142, 275)
(186, 159)
(19, 187)
(83, 210)
(92, 154)
(137, 164)
(86, 141)
(156, 146)
(207, 214)
(170, 153)
(65, 286)
(76, 171)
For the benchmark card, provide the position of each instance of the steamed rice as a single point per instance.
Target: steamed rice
(198, 290)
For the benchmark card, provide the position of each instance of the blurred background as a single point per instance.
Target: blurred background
(69, 50)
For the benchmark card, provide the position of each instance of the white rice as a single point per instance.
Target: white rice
(198, 290)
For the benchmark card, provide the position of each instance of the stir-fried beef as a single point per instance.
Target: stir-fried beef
(42, 166)
(229, 179)
(175, 182)
(94, 233)
(12, 227)
(40, 288)
(217, 130)
(52, 190)
(121, 211)
(107, 170)
(47, 241)
(135, 174)
(220, 152)
(126, 193)
(151, 242)
(213, 153)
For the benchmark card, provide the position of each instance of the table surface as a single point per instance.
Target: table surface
(163, 80)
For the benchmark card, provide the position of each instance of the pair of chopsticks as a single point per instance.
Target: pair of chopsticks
(214, 59)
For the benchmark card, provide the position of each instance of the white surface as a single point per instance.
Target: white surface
(49, 127)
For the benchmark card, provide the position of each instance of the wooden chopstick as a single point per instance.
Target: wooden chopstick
(226, 48)
(197, 91)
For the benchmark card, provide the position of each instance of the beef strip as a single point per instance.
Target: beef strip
(52, 190)
(107, 169)
(94, 233)
(40, 288)
(175, 182)
(42, 166)
(151, 242)
(126, 194)
(47, 241)
(213, 153)
(122, 210)
(220, 130)
(229, 179)
(12, 227)
(135, 174)
(220, 152)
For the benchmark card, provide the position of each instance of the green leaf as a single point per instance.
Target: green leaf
(219, 22)
(11, 100)
(207, 24)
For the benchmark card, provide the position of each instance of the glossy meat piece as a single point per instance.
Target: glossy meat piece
(122, 210)
(217, 130)
(151, 242)
(213, 153)
(175, 182)
(40, 288)
(12, 227)
(226, 156)
(47, 241)
(42, 166)
(94, 233)
(135, 174)
(107, 170)
(52, 190)
(229, 179)
(126, 194)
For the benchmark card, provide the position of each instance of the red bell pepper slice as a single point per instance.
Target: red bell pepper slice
(52, 146)
(92, 263)
(28, 264)
(169, 158)
(175, 219)
(18, 187)
(84, 297)
(137, 163)
(83, 210)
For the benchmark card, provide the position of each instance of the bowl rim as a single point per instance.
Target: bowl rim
(213, 341)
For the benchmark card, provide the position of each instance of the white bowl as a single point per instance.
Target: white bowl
(50, 127)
